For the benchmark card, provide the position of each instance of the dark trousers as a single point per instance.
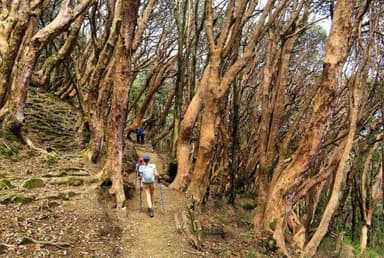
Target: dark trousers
(140, 138)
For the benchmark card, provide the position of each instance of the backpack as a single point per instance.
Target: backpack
(138, 165)
(140, 131)
(147, 173)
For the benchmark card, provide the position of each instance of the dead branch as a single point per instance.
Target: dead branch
(29, 240)
(3, 246)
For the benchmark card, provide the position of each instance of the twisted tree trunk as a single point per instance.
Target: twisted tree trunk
(127, 15)
(287, 179)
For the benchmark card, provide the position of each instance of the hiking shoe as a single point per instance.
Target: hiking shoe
(150, 212)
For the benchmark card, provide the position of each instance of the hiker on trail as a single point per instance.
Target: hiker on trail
(148, 173)
(139, 163)
(140, 133)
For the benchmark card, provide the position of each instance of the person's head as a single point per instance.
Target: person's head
(146, 158)
(141, 159)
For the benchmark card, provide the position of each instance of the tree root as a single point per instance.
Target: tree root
(20, 197)
(189, 228)
(63, 195)
(3, 246)
(30, 144)
(194, 252)
(67, 180)
(29, 240)
(178, 224)
(70, 172)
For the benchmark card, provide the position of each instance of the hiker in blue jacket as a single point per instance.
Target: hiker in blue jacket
(148, 173)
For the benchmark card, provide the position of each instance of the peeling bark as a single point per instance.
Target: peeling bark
(213, 87)
(285, 180)
(119, 107)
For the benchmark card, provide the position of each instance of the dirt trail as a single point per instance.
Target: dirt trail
(63, 216)
(157, 236)
(69, 212)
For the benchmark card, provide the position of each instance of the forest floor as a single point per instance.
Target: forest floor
(48, 210)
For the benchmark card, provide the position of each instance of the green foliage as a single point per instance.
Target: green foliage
(2, 175)
(377, 237)
(347, 240)
(369, 252)
(34, 183)
(6, 184)
(372, 253)
(317, 29)
(376, 157)
(6, 150)
(137, 84)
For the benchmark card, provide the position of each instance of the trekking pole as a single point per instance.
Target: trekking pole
(141, 197)
(161, 194)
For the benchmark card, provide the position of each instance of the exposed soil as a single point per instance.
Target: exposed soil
(67, 218)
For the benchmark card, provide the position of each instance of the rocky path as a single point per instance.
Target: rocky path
(157, 236)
